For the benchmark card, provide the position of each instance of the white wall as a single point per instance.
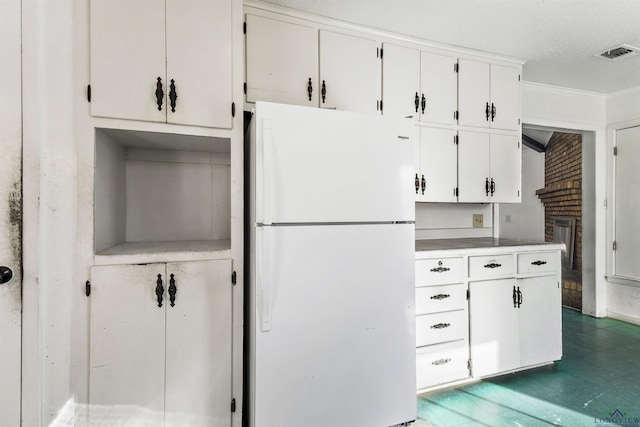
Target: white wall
(525, 220)
(584, 112)
(452, 220)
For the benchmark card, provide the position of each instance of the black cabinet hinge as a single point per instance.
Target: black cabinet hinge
(381, 50)
(455, 191)
(89, 93)
(615, 245)
(87, 288)
(469, 364)
(455, 115)
(518, 77)
(468, 294)
(233, 405)
(234, 278)
(245, 88)
(233, 109)
(244, 28)
(615, 151)
(455, 139)
(456, 67)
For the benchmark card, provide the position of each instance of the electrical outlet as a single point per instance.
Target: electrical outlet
(478, 221)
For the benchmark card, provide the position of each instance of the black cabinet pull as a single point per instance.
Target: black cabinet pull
(417, 183)
(539, 262)
(423, 184)
(493, 265)
(492, 186)
(159, 94)
(486, 111)
(416, 101)
(309, 88)
(439, 297)
(519, 297)
(441, 361)
(324, 91)
(172, 290)
(173, 95)
(514, 295)
(440, 326)
(159, 290)
(424, 103)
(440, 269)
(493, 111)
(486, 186)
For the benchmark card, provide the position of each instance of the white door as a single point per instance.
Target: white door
(317, 165)
(127, 59)
(341, 347)
(439, 88)
(506, 169)
(350, 73)
(127, 344)
(438, 164)
(10, 213)
(505, 97)
(540, 316)
(474, 106)
(198, 344)
(494, 327)
(400, 81)
(473, 167)
(282, 62)
(199, 61)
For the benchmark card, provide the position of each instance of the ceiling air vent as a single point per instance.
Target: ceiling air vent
(622, 51)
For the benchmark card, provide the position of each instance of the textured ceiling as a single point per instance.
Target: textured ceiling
(557, 38)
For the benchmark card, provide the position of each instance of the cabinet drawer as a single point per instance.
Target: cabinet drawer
(441, 363)
(433, 299)
(441, 327)
(481, 267)
(538, 262)
(439, 271)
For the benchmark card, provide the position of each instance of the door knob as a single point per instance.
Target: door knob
(5, 274)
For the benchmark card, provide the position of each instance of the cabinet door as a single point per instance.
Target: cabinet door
(400, 81)
(473, 94)
(540, 320)
(127, 59)
(199, 61)
(127, 344)
(438, 165)
(505, 97)
(438, 82)
(281, 61)
(198, 344)
(350, 73)
(494, 327)
(473, 166)
(506, 168)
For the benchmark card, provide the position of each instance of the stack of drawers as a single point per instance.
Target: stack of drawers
(442, 321)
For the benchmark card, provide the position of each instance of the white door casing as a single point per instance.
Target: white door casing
(10, 212)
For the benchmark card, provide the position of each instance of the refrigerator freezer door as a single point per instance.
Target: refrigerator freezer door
(340, 351)
(326, 166)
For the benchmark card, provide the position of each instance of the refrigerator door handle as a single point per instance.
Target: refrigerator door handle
(265, 173)
(263, 277)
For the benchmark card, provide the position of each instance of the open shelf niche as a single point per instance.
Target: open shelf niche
(158, 194)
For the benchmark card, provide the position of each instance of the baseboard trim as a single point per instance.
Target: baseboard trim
(623, 317)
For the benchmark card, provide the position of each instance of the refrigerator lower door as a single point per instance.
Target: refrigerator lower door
(340, 349)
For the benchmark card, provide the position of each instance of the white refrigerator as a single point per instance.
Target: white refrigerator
(331, 269)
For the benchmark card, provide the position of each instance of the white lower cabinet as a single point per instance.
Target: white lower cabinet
(160, 344)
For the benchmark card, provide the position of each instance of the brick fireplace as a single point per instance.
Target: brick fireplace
(562, 199)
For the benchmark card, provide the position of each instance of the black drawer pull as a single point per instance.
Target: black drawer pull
(440, 296)
(440, 269)
(538, 262)
(440, 362)
(493, 265)
(440, 325)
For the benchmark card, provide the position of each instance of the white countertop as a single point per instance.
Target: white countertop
(480, 245)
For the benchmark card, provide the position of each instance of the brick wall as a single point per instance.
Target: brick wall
(562, 197)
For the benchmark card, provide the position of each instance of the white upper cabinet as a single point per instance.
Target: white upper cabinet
(282, 62)
(350, 73)
(489, 167)
(419, 84)
(162, 61)
(293, 63)
(436, 177)
(488, 95)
